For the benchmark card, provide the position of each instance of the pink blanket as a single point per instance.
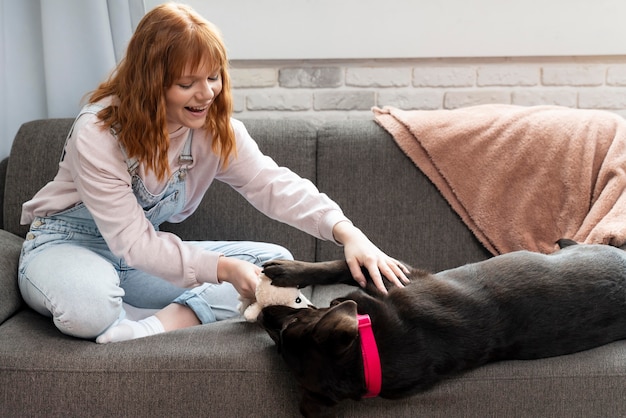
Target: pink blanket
(522, 177)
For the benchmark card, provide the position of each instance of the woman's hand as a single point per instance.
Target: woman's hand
(243, 275)
(360, 251)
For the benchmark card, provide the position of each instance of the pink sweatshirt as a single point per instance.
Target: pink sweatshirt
(94, 172)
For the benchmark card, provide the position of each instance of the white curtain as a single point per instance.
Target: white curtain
(54, 52)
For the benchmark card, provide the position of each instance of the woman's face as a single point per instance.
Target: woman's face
(189, 98)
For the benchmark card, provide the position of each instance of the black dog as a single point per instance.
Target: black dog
(520, 305)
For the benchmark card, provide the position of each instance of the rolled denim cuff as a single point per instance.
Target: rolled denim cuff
(197, 304)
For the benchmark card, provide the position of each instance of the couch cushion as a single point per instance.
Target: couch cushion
(232, 369)
(392, 201)
(226, 369)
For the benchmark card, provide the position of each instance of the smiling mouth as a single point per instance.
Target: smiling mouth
(196, 109)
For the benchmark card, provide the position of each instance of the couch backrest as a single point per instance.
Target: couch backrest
(223, 214)
(356, 163)
(3, 173)
(32, 163)
(394, 203)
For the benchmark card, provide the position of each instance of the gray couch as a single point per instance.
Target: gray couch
(232, 369)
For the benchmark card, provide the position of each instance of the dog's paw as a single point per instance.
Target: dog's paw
(283, 273)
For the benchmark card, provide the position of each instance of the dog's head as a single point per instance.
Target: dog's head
(322, 348)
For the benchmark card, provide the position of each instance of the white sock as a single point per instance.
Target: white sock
(129, 330)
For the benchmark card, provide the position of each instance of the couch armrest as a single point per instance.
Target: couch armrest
(10, 298)
(3, 174)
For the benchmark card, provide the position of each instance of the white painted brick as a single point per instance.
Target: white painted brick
(535, 97)
(378, 77)
(573, 75)
(344, 100)
(616, 75)
(253, 77)
(444, 76)
(348, 89)
(311, 77)
(602, 99)
(292, 101)
(411, 99)
(456, 99)
(239, 101)
(507, 75)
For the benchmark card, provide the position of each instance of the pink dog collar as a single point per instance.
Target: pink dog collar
(371, 360)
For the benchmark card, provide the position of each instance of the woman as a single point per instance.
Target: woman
(142, 151)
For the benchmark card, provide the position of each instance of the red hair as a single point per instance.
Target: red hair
(168, 39)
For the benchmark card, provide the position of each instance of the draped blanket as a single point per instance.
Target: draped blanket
(522, 177)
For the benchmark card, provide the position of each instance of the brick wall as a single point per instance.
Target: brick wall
(320, 90)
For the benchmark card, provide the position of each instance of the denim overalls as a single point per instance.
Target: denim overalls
(68, 272)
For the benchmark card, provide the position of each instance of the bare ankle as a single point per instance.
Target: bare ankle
(177, 316)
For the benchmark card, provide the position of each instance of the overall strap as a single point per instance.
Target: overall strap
(185, 159)
(132, 164)
(92, 108)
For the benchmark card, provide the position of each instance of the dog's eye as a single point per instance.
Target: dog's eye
(298, 300)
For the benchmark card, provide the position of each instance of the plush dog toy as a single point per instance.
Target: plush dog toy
(267, 295)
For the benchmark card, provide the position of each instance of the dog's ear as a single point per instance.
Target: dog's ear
(337, 301)
(273, 318)
(338, 328)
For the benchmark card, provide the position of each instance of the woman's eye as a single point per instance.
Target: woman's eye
(215, 78)
(184, 86)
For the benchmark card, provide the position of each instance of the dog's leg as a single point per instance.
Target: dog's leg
(290, 273)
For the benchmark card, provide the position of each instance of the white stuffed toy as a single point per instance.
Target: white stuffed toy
(267, 294)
